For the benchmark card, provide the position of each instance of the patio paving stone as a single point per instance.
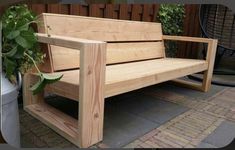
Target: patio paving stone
(30, 140)
(186, 130)
(120, 127)
(206, 145)
(153, 109)
(223, 135)
(189, 92)
(160, 116)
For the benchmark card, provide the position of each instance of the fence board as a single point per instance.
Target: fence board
(191, 28)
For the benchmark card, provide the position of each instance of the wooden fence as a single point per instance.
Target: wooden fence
(138, 12)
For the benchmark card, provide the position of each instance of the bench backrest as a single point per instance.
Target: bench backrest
(127, 40)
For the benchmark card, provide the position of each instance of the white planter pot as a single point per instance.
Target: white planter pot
(10, 127)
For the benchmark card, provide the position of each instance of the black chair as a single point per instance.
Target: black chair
(218, 22)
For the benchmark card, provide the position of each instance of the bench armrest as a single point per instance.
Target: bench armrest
(210, 56)
(211, 47)
(188, 39)
(65, 41)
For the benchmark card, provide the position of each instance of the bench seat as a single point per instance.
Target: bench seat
(137, 74)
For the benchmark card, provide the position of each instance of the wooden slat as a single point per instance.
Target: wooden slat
(146, 10)
(123, 14)
(28, 96)
(69, 56)
(47, 66)
(188, 84)
(187, 39)
(65, 41)
(127, 52)
(63, 124)
(116, 53)
(84, 10)
(54, 8)
(38, 8)
(74, 9)
(102, 29)
(136, 13)
(191, 28)
(122, 78)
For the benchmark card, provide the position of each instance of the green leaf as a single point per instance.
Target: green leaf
(12, 52)
(28, 36)
(39, 86)
(19, 53)
(22, 42)
(43, 81)
(10, 67)
(22, 25)
(13, 34)
(18, 33)
(52, 78)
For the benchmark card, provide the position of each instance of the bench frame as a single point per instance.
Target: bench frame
(89, 128)
(210, 58)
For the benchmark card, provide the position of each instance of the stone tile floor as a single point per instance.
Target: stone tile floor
(162, 116)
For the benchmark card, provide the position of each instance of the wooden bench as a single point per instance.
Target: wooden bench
(101, 58)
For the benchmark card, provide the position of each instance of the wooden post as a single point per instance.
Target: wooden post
(28, 97)
(91, 94)
(210, 58)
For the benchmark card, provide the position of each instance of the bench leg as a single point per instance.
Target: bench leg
(91, 94)
(204, 86)
(28, 97)
(210, 58)
(35, 105)
(207, 76)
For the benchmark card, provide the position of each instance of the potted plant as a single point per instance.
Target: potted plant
(20, 49)
(20, 53)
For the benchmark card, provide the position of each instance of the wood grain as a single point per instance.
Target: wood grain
(102, 29)
(63, 124)
(210, 58)
(121, 78)
(116, 53)
(28, 97)
(64, 41)
(135, 58)
(91, 94)
(99, 29)
(187, 39)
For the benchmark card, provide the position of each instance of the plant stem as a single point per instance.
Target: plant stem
(33, 62)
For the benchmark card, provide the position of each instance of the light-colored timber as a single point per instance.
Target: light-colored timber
(210, 58)
(141, 74)
(100, 58)
(103, 29)
(116, 53)
(63, 124)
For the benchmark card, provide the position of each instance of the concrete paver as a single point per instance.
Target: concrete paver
(160, 116)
